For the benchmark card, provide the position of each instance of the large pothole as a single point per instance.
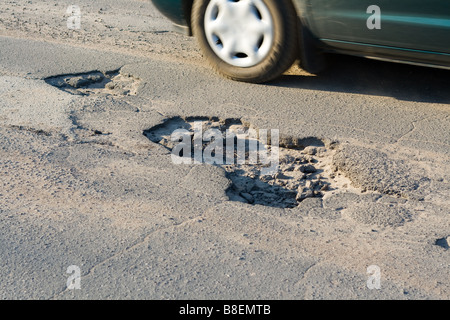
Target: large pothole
(112, 83)
(305, 168)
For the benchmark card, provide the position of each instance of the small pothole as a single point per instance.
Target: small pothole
(305, 165)
(96, 83)
(443, 242)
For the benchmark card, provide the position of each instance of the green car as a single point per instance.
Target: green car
(258, 40)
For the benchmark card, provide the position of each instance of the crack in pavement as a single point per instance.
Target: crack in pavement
(413, 125)
(145, 239)
(415, 128)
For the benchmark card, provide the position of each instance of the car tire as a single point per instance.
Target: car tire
(261, 60)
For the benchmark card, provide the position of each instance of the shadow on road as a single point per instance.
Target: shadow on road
(371, 77)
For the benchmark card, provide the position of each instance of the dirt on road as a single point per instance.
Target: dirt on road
(88, 179)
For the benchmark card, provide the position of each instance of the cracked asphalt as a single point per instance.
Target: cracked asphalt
(81, 185)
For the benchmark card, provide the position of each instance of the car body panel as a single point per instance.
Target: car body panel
(172, 9)
(409, 24)
(412, 31)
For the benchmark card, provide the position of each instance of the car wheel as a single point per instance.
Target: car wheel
(246, 40)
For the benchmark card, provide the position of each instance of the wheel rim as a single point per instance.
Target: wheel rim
(240, 32)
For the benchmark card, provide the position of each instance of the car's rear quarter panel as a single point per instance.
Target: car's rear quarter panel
(175, 10)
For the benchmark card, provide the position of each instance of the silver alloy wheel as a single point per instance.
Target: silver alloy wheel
(240, 32)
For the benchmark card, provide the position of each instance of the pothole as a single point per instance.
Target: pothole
(443, 242)
(96, 83)
(305, 167)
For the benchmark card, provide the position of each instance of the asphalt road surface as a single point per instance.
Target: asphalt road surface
(93, 207)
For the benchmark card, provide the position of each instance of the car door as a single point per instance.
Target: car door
(409, 24)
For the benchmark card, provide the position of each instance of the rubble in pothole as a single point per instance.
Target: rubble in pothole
(98, 83)
(305, 165)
